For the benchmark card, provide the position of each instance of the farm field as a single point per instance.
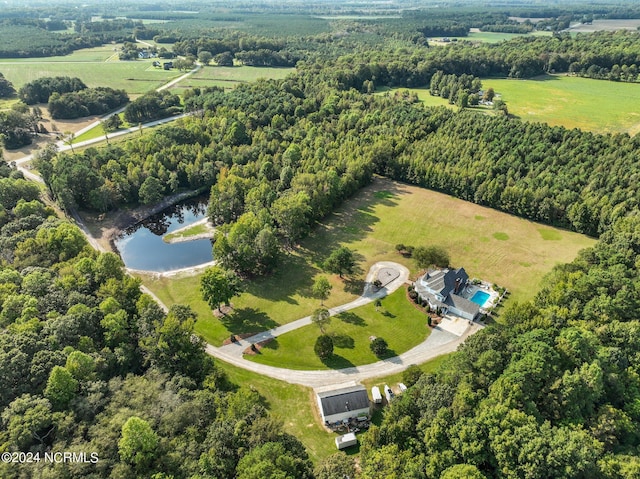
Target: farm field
(229, 77)
(398, 322)
(593, 105)
(94, 66)
(491, 245)
(606, 25)
(97, 54)
(476, 35)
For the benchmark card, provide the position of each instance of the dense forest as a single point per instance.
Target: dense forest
(89, 364)
(89, 101)
(293, 139)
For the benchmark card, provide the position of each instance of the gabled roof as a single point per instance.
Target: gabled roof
(341, 400)
(463, 304)
(443, 281)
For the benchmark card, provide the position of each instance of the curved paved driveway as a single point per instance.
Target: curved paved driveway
(439, 342)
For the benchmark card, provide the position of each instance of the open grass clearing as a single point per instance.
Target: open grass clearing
(594, 105)
(423, 96)
(135, 77)
(372, 223)
(606, 25)
(229, 77)
(476, 35)
(184, 234)
(292, 404)
(398, 322)
(96, 54)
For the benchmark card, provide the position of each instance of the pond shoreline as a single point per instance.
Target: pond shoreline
(106, 227)
(175, 235)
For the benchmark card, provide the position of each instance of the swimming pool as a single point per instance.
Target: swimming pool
(480, 298)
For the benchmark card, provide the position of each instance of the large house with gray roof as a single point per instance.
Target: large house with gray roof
(443, 289)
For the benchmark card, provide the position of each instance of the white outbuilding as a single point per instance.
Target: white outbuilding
(343, 404)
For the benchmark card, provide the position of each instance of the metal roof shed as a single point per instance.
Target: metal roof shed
(341, 404)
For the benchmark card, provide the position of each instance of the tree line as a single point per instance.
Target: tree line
(89, 101)
(303, 148)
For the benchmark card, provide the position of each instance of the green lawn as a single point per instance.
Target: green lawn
(595, 105)
(229, 77)
(185, 233)
(491, 245)
(423, 95)
(292, 404)
(96, 54)
(400, 324)
(393, 379)
(135, 77)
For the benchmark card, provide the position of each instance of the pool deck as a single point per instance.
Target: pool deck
(472, 289)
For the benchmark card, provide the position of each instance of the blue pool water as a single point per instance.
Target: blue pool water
(480, 298)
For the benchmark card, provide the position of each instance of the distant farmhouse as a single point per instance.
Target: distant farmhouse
(446, 290)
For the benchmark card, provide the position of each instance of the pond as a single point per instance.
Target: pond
(141, 246)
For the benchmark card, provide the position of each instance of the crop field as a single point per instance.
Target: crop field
(491, 245)
(595, 105)
(229, 77)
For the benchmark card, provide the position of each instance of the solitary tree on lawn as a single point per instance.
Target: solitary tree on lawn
(321, 289)
(340, 261)
(321, 317)
(218, 286)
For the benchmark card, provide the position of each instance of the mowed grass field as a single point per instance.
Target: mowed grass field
(491, 245)
(397, 321)
(594, 105)
(94, 66)
(476, 35)
(229, 77)
(423, 95)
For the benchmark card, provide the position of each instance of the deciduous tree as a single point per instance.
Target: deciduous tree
(218, 286)
(341, 261)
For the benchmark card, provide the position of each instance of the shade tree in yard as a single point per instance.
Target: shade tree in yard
(321, 289)
(218, 286)
(341, 261)
(321, 317)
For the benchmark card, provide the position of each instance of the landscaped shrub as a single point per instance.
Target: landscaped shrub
(324, 346)
(413, 295)
(379, 347)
